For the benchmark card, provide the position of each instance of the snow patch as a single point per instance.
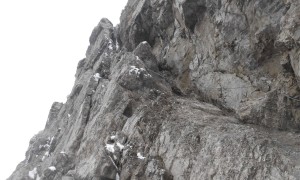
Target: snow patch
(51, 140)
(144, 42)
(32, 173)
(69, 115)
(117, 45)
(47, 146)
(110, 46)
(148, 76)
(112, 137)
(137, 71)
(110, 147)
(52, 168)
(134, 70)
(44, 146)
(47, 154)
(97, 77)
(139, 155)
(121, 146)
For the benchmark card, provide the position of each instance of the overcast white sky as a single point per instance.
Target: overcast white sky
(40, 45)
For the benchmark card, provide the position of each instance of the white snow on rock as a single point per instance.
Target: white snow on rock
(112, 137)
(37, 177)
(32, 173)
(97, 77)
(137, 71)
(51, 140)
(44, 146)
(110, 47)
(144, 42)
(52, 168)
(121, 146)
(139, 155)
(117, 45)
(134, 70)
(69, 115)
(110, 44)
(110, 147)
(47, 154)
(148, 76)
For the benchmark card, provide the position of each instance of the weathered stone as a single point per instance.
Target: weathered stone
(143, 51)
(49, 174)
(55, 108)
(213, 93)
(67, 178)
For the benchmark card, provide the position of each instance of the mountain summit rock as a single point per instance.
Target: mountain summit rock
(180, 89)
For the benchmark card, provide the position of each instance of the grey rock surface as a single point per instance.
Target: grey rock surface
(182, 89)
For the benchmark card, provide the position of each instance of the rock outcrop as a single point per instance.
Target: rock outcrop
(180, 89)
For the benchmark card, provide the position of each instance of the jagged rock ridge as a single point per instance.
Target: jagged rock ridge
(182, 89)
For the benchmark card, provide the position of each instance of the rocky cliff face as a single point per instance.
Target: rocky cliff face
(180, 89)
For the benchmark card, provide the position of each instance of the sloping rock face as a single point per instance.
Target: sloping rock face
(180, 89)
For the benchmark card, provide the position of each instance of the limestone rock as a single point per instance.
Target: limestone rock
(182, 89)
